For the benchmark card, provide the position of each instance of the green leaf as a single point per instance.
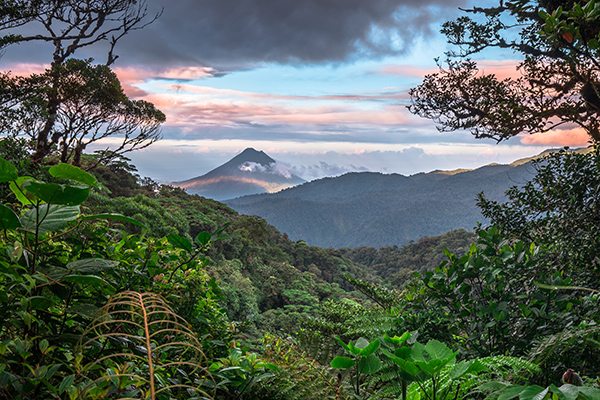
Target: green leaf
(398, 340)
(87, 280)
(343, 344)
(510, 392)
(202, 238)
(8, 172)
(370, 348)
(408, 370)
(88, 311)
(40, 302)
(590, 393)
(361, 343)
(91, 265)
(533, 392)
(570, 392)
(180, 242)
(71, 172)
(8, 218)
(341, 362)
(66, 383)
(369, 365)
(439, 351)
(113, 217)
(467, 367)
(54, 193)
(17, 187)
(50, 218)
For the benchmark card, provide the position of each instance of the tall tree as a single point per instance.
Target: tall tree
(67, 26)
(91, 107)
(558, 79)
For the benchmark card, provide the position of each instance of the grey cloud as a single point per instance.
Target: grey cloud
(230, 32)
(234, 34)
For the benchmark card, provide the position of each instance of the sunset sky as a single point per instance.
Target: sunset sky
(318, 84)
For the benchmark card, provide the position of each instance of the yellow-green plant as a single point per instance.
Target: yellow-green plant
(139, 348)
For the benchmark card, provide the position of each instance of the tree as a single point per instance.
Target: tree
(559, 208)
(67, 26)
(559, 82)
(91, 107)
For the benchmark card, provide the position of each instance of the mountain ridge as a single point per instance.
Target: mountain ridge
(375, 209)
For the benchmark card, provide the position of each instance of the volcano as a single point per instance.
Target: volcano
(250, 172)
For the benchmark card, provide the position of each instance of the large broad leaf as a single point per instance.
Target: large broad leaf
(398, 340)
(370, 348)
(71, 172)
(54, 193)
(8, 172)
(40, 302)
(91, 265)
(8, 218)
(341, 362)
(570, 392)
(180, 242)
(113, 217)
(589, 392)
(510, 392)
(439, 351)
(50, 218)
(202, 238)
(369, 365)
(87, 280)
(17, 187)
(533, 392)
(408, 370)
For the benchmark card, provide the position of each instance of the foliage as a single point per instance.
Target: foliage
(59, 266)
(499, 390)
(53, 107)
(556, 83)
(299, 377)
(139, 348)
(558, 207)
(491, 299)
(90, 106)
(239, 372)
(397, 265)
(361, 359)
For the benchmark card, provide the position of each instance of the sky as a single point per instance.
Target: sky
(319, 85)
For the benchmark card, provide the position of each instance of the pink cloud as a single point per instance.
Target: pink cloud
(195, 110)
(570, 137)
(501, 68)
(130, 77)
(24, 69)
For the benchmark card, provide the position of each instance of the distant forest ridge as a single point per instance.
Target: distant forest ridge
(375, 209)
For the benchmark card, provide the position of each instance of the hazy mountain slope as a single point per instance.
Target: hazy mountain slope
(373, 209)
(249, 172)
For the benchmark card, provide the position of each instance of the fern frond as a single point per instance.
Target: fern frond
(138, 348)
(562, 341)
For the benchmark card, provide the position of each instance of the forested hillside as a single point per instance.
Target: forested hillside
(373, 209)
(397, 265)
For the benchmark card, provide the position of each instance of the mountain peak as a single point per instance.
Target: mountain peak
(252, 155)
(249, 172)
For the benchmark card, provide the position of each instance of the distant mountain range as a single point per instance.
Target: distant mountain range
(374, 209)
(250, 172)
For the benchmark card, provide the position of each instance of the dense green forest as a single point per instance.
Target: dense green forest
(374, 209)
(115, 287)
